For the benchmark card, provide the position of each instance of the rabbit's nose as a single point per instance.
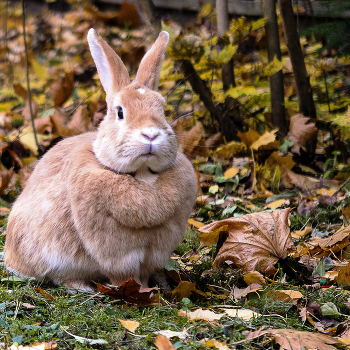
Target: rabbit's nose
(150, 133)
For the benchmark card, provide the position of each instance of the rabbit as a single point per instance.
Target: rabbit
(112, 204)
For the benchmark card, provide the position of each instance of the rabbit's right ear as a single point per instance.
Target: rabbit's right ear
(111, 70)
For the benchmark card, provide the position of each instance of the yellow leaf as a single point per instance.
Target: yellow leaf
(254, 277)
(265, 139)
(276, 204)
(231, 172)
(28, 141)
(273, 67)
(183, 290)
(129, 325)
(163, 343)
(213, 343)
(39, 69)
(210, 238)
(195, 223)
(299, 234)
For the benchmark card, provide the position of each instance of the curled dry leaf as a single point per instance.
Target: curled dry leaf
(254, 277)
(300, 132)
(206, 315)
(130, 292)
(264, 140)
(290, 339)
(36, 346)
(6, 176)
(254, 241)
(62, 89)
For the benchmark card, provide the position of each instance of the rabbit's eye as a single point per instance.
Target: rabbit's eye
(120, 113)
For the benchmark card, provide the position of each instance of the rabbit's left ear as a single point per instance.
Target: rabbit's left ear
(148, 73)
(111, 70)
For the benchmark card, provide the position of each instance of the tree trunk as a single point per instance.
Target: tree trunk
(223, 23)
(304, 90)
(276, 80)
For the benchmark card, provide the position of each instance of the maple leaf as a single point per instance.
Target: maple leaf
(130, 292)
(290, 339)
(254, 241)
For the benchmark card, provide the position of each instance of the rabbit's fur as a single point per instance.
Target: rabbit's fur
(112, 204)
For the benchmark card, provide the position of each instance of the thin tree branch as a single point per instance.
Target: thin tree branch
(27, 74)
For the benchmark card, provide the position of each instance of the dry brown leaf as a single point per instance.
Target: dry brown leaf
(5, 176)
(300, 132)
(346, 213)
(129, 325)
(80, 121)
(130, 292)
(26, 110)
(289, 179)
(163, 343)
(231, 149)
(286, 296)
(254, 277)
(254, 240)
(248, 137)
(62, 89)
(183, 290)
(344, 275)
(20, 91)
(238, 293)
(190, 140)
(58, 120)
(276, 160)
(290, 339)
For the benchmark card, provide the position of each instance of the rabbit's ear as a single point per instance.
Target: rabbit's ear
(111, 70)
(148, 73)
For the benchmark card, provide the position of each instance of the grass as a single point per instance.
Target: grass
(74, 320)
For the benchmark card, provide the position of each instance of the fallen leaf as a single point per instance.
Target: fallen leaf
(163, 343)
(244, 314)
(62, 89)
(238, 293)
(80, 121)
(264, 140)
(43, 125)
(300, 132)
(248, 137)
(45, 294)
(170, 334)
(5, 176)
(276, 204)
(130, 292)
(254, 277)
(129, 325)
(208, 238)
(255, 240)
(289, 179)
(231, 149)
(195, 223)
(230, 173)
(37, 346)
(206, 315)
(190, 139)
(26, 110)
(20, 91)
(286, 296)
(290, 339)
(213, 343)
(183, 290)
(302, 233)
(28, 306)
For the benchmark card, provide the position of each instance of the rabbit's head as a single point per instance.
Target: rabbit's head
(134, 136)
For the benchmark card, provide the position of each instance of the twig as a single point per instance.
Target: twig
(340, 188)
(92, 296)
(27, 73)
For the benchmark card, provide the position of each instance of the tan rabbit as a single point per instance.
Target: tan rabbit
(108, 205)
